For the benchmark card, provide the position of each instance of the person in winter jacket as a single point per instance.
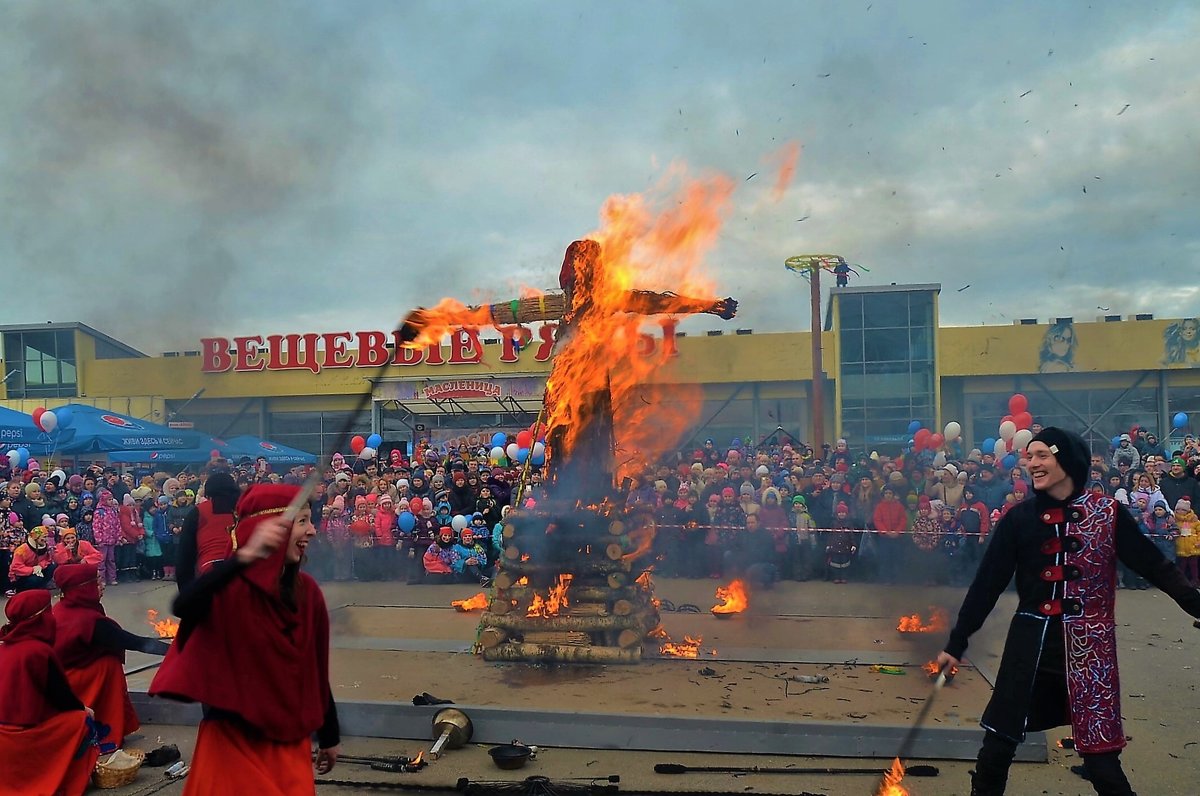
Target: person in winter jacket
(32, 564)
(1160, 523)
(803, 542)
(842, 543)
(73, 550)
(470, 561)
(133, 531)
(439, 558)
(424, 533)
(106, 528)
(1187, 549)
(891, 521)
(155, 523)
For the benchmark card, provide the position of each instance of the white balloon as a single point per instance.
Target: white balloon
(1001, 448)
(14, 459)
(366, 453)
(1008, 430)
(953, 431)
(512, 450)
(62, 477)
(459, 522)
(939, 460)
(497, 453)
(538, 449)
(1022, 439)
(49, 421)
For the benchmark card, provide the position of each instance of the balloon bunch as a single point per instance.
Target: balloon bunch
(48, 421)
(407, 520)
(525, 447)
(925, 440)
(365, 448)
(18, 458)
(1014, 434)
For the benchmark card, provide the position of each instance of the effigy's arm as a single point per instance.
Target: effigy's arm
(648, 302)
(425, 326)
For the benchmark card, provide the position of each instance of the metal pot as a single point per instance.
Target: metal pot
(510, 756)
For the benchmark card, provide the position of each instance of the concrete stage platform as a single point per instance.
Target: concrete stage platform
(392, 641)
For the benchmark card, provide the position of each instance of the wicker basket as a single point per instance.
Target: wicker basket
(106, 777)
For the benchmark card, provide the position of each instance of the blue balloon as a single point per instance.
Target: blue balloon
(1179, 421)
(407, 521)
(499, 439)
(1116, 441)
(24, 454)
(1010, 461)
(65, 417)
(522, 455)
(914, 427)
(374, 441)
(538, 461)
(989, 445)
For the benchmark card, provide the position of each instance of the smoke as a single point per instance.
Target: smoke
(147, 149)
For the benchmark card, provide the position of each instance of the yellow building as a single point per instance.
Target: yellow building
(887, 361)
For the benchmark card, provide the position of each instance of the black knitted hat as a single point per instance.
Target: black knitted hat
(1070, 451)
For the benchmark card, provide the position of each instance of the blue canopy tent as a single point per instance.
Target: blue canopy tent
(101, 431)
(200, 454)
(247, 445)
(17, 430)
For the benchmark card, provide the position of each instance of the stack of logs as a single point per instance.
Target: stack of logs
(607, 612)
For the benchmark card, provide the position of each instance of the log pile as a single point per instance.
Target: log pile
(567, 591)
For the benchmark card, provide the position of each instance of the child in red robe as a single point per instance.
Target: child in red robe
(253, 648)
(45, 738)
(91, 648)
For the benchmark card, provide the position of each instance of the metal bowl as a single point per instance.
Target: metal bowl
(510, 756)
(725, 614)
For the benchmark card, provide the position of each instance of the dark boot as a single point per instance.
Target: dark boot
(1106, 774)
(991, 769)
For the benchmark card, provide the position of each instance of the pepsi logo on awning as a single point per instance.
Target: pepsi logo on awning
(120, 422)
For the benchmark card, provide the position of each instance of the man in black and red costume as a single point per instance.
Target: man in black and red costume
(1060, 659)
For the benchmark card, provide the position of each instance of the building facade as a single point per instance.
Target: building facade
(887, 361)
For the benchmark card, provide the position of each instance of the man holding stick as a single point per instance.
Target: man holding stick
(1060, 658)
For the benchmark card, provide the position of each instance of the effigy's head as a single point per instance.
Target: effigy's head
(579, 264)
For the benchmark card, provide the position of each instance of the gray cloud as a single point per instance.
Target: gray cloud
(270, 168)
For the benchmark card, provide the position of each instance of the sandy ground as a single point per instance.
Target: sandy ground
(796, 622)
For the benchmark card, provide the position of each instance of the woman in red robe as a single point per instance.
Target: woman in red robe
(253, 648)
(91, 648)
(46, 746)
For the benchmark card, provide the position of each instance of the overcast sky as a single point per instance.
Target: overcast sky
(169, 171)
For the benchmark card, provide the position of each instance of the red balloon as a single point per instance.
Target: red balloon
(357, 443)
(1018, 404)
(936, 441)
(416, 505)
(1007, 418)
(361, 528)
(214, 453)
(37, 417)
(1023, 420)
(921, 438)
(524, 439)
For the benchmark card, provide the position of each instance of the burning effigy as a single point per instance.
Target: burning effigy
(567, 586)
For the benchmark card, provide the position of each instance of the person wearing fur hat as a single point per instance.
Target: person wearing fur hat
(91, 648)
(46, 741)
(253, 649)
(1060, 659)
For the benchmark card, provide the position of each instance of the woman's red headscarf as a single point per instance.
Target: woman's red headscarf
(77, 615)
(257, 654)
(26, 657)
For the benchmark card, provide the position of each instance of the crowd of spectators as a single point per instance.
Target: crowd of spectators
(776, 510)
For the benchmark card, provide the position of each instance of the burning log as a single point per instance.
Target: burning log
(581, 593)
(588, 609)
(491, 637)
(581, 567)
(568, 639)
(558, 653)
(640, 621)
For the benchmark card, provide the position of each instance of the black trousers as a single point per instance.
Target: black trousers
(996, 755)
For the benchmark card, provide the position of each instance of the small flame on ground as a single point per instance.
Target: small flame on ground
(939, 621)
(932, 670)
(524, 556)
(417, 763)
(523, 581)
(733, 598)
(165, 628)
(891, 781)
(555, 600)
(688, 648)
(477, 603)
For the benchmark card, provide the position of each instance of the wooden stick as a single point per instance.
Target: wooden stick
(492, 637)
(568, 638)
(581, 623)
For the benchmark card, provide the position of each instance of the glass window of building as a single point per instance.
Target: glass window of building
(40, 364)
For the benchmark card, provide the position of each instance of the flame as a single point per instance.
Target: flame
(658, 632)
(417, 763)
(555, 601)
(891, 781)
(932, 670)
(787, 169)
(477, 603)
(165, 628)
(688, 648)
(524, 556)
(523, 581)
(733, 598)
(939, 621)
